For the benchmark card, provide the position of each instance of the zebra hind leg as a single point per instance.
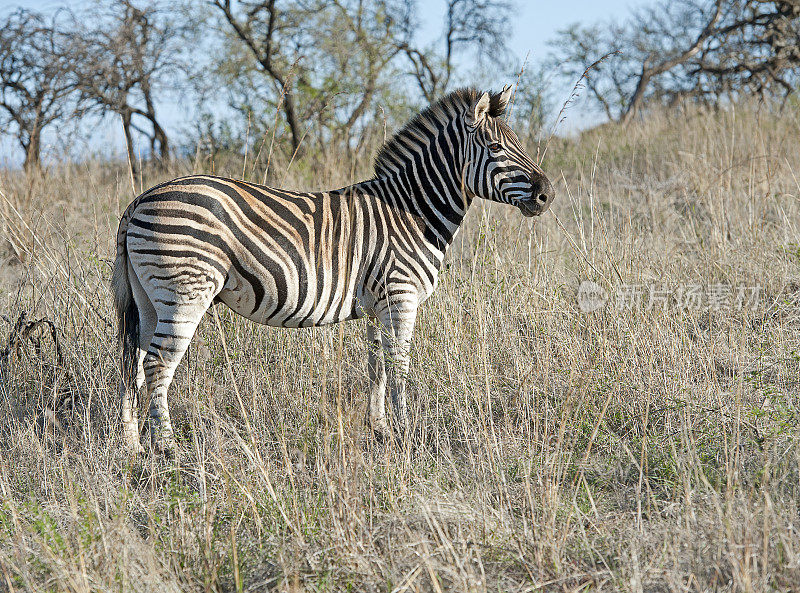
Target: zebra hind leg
(129, 392)
(173, 333)
(377, 377)
(130, 413)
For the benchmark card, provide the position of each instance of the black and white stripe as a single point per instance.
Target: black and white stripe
(294, 259)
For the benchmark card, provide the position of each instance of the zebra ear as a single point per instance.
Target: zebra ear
(499, 101)
(480, 109)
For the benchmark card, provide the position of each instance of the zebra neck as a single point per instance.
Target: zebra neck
(434, 200)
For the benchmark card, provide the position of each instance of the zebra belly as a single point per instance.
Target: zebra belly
(288, 305)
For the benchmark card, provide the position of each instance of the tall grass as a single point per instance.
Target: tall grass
(635, 449)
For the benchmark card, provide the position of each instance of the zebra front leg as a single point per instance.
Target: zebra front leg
(397, 326)
(377, 378)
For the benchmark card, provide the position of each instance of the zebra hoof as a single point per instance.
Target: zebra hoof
(382, 435)
(401, 431)
(163, 443)
(133, 447)
(166, 448)
(130, 439)
(380, 430)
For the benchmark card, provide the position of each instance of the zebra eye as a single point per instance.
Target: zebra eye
(495, 147)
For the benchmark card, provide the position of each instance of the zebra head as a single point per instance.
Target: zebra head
(498, 168)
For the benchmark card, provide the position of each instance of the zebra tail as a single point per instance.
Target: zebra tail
(125, 305)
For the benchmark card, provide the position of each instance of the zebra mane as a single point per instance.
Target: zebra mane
(394, 153)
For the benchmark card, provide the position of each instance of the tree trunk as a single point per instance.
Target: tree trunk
(163, 143)
(126, 126)
(159, 135)
(33, 149)
(291, 120)
(638, 95)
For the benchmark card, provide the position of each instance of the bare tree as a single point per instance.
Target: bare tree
(36, 79)
(653, 64)
(531, 102)
(261, 27)
(369, 29)
(677, 49)
(125, 58)
(756, 48)
(577, 47)
(476, 25)
(325, 61)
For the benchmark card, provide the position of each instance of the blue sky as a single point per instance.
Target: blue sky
(535, 22)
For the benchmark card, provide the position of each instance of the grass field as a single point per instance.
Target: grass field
(633, 448)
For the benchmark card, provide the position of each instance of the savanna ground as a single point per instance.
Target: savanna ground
(634, 449)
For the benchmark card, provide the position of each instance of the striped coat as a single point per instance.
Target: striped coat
(295, 259)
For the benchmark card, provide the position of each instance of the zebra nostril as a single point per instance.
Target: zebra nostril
(542, 192)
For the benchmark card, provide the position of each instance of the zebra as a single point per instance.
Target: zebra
(293, 259)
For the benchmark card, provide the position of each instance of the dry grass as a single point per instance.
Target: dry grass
(640, 450)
